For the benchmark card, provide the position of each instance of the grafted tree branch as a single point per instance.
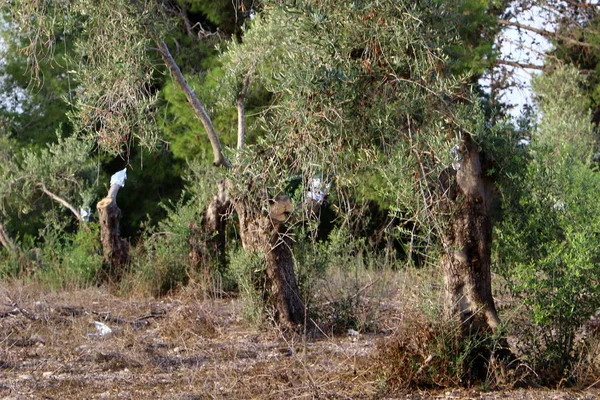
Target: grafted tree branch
(240, 104)
(219, 158)
(62, 202)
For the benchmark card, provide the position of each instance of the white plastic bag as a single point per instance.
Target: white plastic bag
(119, 178)
(102, 329)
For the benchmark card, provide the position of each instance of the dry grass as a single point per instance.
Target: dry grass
(172, 348)
(184, 347)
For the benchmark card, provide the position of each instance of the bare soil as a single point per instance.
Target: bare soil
(185, 348)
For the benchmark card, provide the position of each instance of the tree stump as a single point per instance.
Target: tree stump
(207, 242)
(115, 249)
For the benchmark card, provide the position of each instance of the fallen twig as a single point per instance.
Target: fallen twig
(9, 313)
(25, 313)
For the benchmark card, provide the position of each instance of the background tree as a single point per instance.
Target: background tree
(548, 246)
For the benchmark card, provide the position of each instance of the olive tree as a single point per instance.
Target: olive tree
(120, 50)
(364, 91)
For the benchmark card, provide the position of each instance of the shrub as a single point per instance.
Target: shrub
(160, 261)
(548, 246)
(436, 354)
(66, 260)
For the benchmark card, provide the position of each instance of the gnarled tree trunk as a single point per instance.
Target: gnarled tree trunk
(467, 243)
(115, 249)
(266, 234)
(207, 242)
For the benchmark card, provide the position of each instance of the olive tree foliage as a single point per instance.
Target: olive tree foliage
(63, 173)
(353, 85)
(110, 64)
(548, 247)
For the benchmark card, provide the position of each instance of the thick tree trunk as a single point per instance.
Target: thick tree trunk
(266, 234)
(467, 243)
(207, 243)
(115, 249)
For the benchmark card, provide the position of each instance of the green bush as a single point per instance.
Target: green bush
(160, 260)
(67, 260)
(548, 245)
(247, 270)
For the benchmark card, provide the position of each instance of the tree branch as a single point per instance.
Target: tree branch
(219, 158)
(519, 64)
(241, 100)
(63, 202)
(241, 123)
(547, 34)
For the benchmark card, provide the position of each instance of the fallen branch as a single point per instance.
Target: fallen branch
(25, 313)
(9, 313)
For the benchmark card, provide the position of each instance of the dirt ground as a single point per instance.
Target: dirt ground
(52, 347)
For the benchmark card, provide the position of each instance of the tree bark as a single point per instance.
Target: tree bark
(467, 243)
(207, 243)
(115, 249)
(266, 234)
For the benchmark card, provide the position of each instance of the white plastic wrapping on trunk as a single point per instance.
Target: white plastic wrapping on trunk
(458, 158)
(119, 178)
